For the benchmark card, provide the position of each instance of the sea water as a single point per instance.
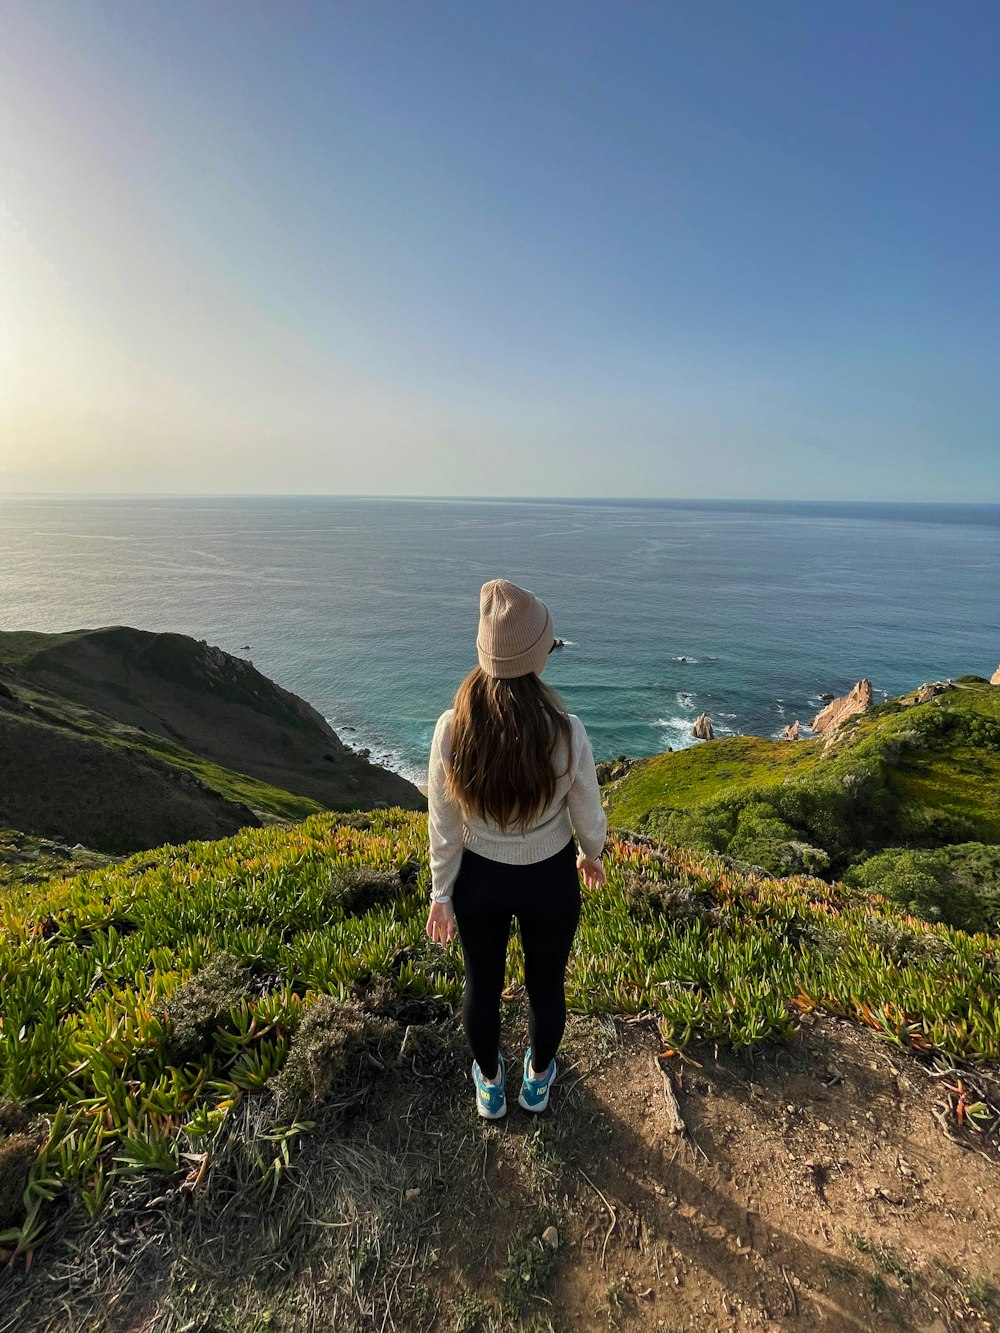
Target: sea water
(368, 607)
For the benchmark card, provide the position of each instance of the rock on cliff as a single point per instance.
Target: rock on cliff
(995, 678)
(791, 733)
(702, 729)
(609, 770)
(859, 700)
(929, 689)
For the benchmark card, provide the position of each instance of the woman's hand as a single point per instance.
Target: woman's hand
(592, 871)
(441, 922)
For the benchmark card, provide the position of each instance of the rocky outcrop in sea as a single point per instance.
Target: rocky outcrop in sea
(835, 714)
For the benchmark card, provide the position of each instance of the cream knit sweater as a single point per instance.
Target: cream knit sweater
(576, 805)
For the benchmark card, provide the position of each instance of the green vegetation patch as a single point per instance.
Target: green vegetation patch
(145, 1003)
(959, 885)
(702, 773)
(901, 775)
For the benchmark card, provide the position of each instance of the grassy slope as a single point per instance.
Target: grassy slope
(101, 732)
(76, 776)
(701, 774)
(169, 688)
(90, 969)
(75, 721)
(944, 772)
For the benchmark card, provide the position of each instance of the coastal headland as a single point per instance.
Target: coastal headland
(120, 738)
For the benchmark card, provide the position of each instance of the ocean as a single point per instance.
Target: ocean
(368, 607)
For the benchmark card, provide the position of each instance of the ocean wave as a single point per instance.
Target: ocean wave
(685, 699)
(676, 731)
(385, 756)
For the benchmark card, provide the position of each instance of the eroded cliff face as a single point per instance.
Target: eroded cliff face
(858, 700)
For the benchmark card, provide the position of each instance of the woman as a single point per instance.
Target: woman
(511, 776)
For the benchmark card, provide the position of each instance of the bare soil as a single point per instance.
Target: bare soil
(815, 1187)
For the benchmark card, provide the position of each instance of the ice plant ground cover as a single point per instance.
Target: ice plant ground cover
(142, 1004)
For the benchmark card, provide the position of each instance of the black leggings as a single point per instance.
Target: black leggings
(545, 898)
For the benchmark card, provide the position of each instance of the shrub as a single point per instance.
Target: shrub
(202, 1002)
(708, 827)
(673, 899)
(957, 885)
(849, 808)
(983, 733)
(18, 1146)
(336, 1047)
(764, 839)
(359, 889)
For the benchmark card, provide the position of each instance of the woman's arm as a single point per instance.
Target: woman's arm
(444, 816)
(585, 808)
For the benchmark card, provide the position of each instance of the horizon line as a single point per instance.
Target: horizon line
(510, 499)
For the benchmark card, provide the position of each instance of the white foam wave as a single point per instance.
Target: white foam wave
(676, 731)
(388, 757)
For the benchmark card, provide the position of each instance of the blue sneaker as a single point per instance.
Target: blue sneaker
(491, 1100)
(534, 1095)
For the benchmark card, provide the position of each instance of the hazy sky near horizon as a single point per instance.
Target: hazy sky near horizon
(687, 249)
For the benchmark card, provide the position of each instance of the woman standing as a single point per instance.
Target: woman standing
(511, 776)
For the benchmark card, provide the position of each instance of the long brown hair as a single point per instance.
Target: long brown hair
(503, 735)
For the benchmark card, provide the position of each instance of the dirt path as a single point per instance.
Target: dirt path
(814, 1189)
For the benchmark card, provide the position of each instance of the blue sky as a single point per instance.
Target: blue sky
(703, 249)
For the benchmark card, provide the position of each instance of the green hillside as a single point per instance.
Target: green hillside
(120, 739)
(903, 780)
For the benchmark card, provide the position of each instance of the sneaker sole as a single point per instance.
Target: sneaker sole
(539, 1106)
(491, 1115)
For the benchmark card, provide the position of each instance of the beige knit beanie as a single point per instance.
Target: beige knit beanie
(515, 630)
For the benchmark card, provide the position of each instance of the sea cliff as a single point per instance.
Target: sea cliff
(120, 738)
